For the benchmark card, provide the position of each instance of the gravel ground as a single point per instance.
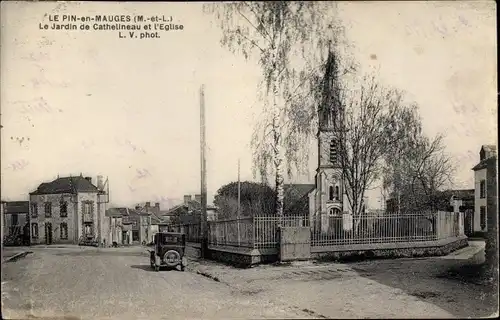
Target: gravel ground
(118, 283)
(114, 284)
(400, 288)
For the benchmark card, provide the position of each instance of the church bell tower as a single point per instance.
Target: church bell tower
(329, 181)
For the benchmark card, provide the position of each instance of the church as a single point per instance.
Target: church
(326, 197)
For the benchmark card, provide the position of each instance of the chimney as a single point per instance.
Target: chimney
(157, 205)
(137, 207)
(100, 183)
(197, 197)
(187, 198)
(148, 204)
(89, 179)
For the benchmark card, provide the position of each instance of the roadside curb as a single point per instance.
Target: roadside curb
(17, 256)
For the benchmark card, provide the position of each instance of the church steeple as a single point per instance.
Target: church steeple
(328, 110)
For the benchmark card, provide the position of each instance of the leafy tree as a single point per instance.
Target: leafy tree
(255, 199)
(275, 33)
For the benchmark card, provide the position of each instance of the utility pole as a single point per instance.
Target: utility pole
(239, 201)
(204, 231)
(239, 190)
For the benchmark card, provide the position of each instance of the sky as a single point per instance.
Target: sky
(90, 102)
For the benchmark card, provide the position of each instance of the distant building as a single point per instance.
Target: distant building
(133, 226)
(15, 215)
(487, 155)
(68, 210)
(189, 211)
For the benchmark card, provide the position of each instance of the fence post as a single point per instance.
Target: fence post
(238, 225)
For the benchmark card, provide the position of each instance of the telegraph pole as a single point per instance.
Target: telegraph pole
(239, 190)
(204, 231)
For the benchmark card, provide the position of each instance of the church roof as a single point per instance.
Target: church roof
(66, 185)
(296, 201)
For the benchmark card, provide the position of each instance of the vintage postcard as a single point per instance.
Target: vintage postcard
(249, 160)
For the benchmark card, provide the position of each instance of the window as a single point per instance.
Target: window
(48, 209)
(334, 212)
(482, 217)
(34, 230)
(34, 210)
(135, 235)
(15, 219)
(333, 151)
(337, 193)
(88, 229)
(482, 189)
(63, 209)
(331, 193)
(64, 231)
(87, 210)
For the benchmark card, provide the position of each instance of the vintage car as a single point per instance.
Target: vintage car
(169, 248)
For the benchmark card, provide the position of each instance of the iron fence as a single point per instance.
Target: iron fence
(383, 228)
(192, 231)
(253, 232)
(261, 232)
(231, 232)
(266, 229)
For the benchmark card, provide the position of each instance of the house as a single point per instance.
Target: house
(487, 157)
(15, 222)
(151, 222)
(68, 210)
(133, 226)
(188, 212)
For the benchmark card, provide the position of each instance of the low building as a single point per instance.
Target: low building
(188, 212)
(15, 223)
(68, 210)
(487, 154)
(132, 226)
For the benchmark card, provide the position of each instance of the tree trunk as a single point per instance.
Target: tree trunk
(278, 162)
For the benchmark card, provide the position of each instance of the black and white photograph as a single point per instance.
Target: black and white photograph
(248, 160)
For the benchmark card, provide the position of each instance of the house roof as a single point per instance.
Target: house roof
(296, 200)
(17, 207)
(489, 148)
(485, 163)
(464, 194)
(66, 185)
(127, 212)
(297, 190)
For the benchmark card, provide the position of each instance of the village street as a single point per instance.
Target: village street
(118, 283)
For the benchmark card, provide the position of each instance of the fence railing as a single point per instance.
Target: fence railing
(261, 232)
(254, 232)
(231, 232)
(192, 231)
(383, 228)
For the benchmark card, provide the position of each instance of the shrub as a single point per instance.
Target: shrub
(255, 199)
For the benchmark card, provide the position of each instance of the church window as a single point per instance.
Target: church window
(334, 212)
(331, 193)
(337, 193)
(333, 151)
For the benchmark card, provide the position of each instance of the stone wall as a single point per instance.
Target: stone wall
(491, 249)
(439, 249)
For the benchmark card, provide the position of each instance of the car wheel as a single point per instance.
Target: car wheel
(182, 268)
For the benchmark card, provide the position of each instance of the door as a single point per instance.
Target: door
(48, 233)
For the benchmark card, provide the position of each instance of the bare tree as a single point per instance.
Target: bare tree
(419, 174)
(276, 32)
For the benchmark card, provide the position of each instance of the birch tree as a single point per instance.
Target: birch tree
(274, 33)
